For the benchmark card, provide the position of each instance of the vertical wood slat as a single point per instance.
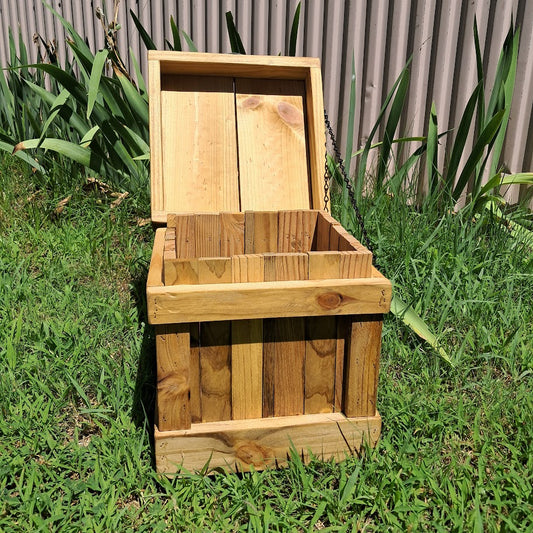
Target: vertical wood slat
(272, 146)
(296, 230)
(260, 232)
(208, 169)
(284, 346)
(320, 354)
(215, 370)
(362, 365)
(231, 234)
(185, 228)
(194, 374)
(173, 409)
(208, 235)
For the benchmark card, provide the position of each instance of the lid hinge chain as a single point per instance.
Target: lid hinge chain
(348, 183)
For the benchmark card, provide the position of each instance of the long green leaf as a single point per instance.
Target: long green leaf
(460, 138)
(364, 156)
(486, 136)
(346, 208)
(147, 40)
(138, 74)
(77, 153)
(137, 103)
(508, 89)
(89, 136)
(432, 151)
(175, 34)
(58, 103)
(409, 316)
(94, 81)
(190, 44)
(294, 30)
(7, 147)
(390, 128)
(234, 37)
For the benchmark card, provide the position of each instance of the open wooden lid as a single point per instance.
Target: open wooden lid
(235, 133)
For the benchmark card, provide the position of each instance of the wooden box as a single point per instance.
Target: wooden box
(268, 313)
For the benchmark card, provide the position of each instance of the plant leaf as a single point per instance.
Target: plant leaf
(294, 30)
(147, 40)
(94, 81)
(234, 37)
(408, 315)
(175, 35)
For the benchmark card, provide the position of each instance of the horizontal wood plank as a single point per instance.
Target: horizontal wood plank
(234, 301)
(240, 445)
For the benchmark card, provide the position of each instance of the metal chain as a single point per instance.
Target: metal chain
(348, 183)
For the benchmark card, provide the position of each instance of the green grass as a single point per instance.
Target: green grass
(77, 383)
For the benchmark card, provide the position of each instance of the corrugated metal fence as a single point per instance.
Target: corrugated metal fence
(382, 35)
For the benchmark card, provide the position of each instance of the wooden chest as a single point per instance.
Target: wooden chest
(267, 312)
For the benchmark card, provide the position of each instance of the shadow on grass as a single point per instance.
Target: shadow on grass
(145, 383)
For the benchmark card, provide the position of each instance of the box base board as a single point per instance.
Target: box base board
(243, 445)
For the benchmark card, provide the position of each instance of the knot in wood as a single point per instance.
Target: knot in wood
(330, 300)
(290, 114)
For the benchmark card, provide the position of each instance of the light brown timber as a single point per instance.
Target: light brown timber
(320, 352)
(214, 270)
(362, 365)
(234, 301)
(239, 445)
(215, 370)
(231, 234)
(155, 272)
(185, 228)
(173, 354)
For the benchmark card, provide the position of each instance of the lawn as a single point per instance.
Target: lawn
(77, 382)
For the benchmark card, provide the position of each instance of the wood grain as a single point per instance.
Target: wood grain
(231, 234)
(173, 353)
(324, 265)
(199, 145)
(155, 272)
(214, 270)
(260, 232)
(247, 268)
(247, 369)
(296, 230)
(194, 373)
(181, 272)
(320, 352)
(240, 445)
(215, 370)
(362, 365)
(234, 301)
(272, 145)
(185, 228)
(207, 235)
(284, 350)
(170, 244)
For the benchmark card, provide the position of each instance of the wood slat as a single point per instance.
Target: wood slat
(296, 230)
(215, 370)
(194, 373)
(231, 234)
(272, 145)
(240, 445)
(207, 235)
(343, 330)
(247, 268)
(284, 350)
(320, 354)
(234, 301)
(214, 270)
(170, 244)
(362, 366)
(324, 265)
(185, 228)
(173, 352)
(181, 272)
(155, 272)
(199, 145)
(247, 369)
(260, 232)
